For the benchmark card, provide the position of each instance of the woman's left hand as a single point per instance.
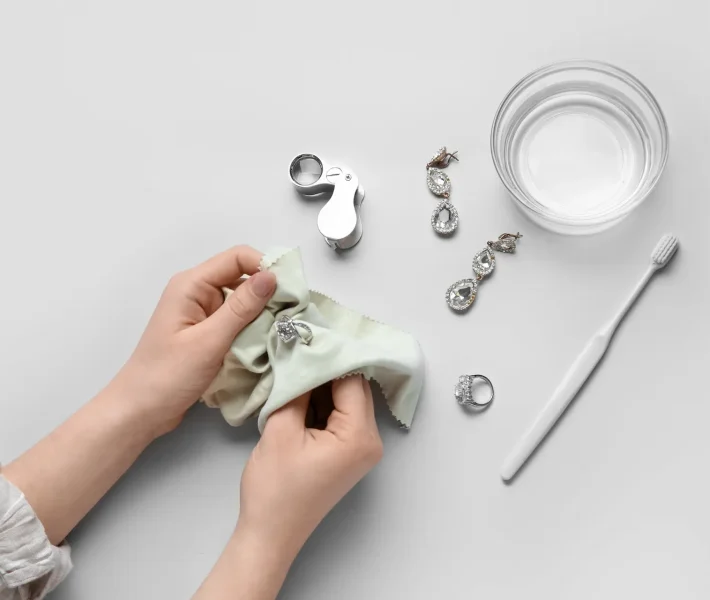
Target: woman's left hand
(180, 353)
(190, 332)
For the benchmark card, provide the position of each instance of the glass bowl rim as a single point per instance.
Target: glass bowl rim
(608, 69)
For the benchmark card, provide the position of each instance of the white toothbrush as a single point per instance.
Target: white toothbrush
(583, 367)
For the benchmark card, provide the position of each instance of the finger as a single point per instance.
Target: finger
(225, 269)
(290, 418)
(369, 402)
(350, 399)
(241, 307)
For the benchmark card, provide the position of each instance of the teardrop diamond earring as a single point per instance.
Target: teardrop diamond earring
(461, 294)
(445, 218)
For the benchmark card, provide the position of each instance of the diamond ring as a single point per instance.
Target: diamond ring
(464, 391)
(288, 330)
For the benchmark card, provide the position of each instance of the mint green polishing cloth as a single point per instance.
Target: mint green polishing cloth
(261, 373)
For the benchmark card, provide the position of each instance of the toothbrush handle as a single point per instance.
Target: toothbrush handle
(562, 396)
(640, 286)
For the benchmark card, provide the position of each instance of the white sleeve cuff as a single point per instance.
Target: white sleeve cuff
(30, 566)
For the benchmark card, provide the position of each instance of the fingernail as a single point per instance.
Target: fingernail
(263, 284)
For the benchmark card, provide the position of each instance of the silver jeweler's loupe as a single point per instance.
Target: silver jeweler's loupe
(339, 220)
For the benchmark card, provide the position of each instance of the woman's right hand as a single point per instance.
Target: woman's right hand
(296, 474)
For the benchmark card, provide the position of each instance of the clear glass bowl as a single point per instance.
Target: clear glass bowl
(579, 145)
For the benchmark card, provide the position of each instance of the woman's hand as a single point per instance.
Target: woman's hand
(190, 331)
(182, 349)
(294, 477)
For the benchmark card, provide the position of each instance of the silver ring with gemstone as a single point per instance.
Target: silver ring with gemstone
(288, 330)
(464, 391)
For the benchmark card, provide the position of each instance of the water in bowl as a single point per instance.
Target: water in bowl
(578, 155)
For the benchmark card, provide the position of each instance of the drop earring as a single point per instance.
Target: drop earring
(445, 218)
(461, 294)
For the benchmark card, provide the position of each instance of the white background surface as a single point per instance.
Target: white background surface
(138, 138)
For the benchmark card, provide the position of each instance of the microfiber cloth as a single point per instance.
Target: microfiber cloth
(262, 373)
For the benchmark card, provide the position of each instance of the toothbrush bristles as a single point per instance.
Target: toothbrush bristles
(664, 250)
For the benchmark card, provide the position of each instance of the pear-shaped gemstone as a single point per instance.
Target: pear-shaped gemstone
(484, 262)
(445, 218)
(438, 181)
(461, 294)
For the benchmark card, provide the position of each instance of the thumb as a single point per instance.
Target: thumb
(242, 306)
